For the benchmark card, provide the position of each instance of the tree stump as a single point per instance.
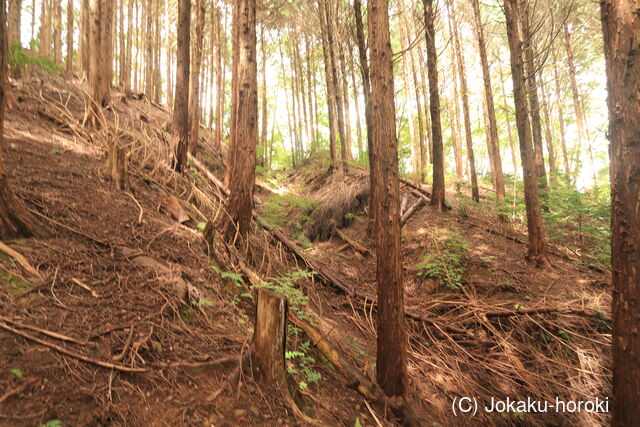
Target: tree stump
(270, 336)
(117, 167)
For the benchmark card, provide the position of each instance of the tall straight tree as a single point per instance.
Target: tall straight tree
(438, 193)
(493, 143)
(69, 59)
(366, 91)
(99, 50)
(621, 27)
(462, 74)
(194, 81)
(15, 220)
(391, 362)
(535, 228)
(180, 125)
(244, 112)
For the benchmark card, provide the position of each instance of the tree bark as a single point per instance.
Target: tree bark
(14, 218)
(475, 191)
(220, 73)
(245, 111)
(99, 52)
(532, 89)
(535, 227)
(194, 78)
(329, 83)
(15, 9)
(263, 95)
(366, 90)
(45, 28)
(69, 59)
(391, 362)
(559, 103)
(180, 126)
(621, 26)
(438, 192)
(493, 142)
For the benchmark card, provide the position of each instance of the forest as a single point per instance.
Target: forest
(319, 212)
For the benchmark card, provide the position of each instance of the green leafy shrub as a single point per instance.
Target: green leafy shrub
(286, 286)
(446, 260)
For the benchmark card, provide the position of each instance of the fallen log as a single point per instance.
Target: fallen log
(413, 209)
(355, 245)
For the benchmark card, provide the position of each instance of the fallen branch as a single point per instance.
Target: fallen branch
(206, 172)
(71, 353)
(20, 259)
(413, 209)
(18, 389)
(43, 331)
(355, 245)
(85, 287)
(541, 310)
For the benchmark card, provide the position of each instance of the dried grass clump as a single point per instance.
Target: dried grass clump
(338, 198)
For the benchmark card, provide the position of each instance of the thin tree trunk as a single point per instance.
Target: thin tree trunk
(180, 125)
(45, 28)
(357, 105)
(263, 96)
(537, 244)
(475, 191)
(553, 173)
(454, 117)
(514, 157)
(15, 9)
(532, 90)
(219, 77)
(57, 31)
(366, 90)
(334, 83)
(621, 26)
(391, 361)
(194, 78)
(493, 141)
(345, 98)
(329, 84)
(69, 59)
(563, 142)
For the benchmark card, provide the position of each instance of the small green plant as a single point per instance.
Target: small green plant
(16, 373)
(446, 260)
(52, 423)
(277, 210)
(56, 151)
(201, 226)
(286, 286)
(304, 365)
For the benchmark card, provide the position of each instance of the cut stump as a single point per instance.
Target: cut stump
(117, 167)
(270, 336)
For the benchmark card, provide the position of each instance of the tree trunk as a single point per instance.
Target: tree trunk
(357, 105)
(415, 147)
(219, 74)
(69, 59)
(621, 26)
(329, 83)
(577, 105)
(559, 98)
(180, 126)
(45, 28)
(15, 9)
(475, 191)
(270, 335)
(263, 96)
(438, 192)
(345, 98)
(194, 79)
(14, 218)
(553, 173)
(391, 361)
(57, 31)
(512, 147)
(537, 245)
(245, 109)
(366, 90)
(534, 101)
(99, 53)
(339, 108)
(493, 142)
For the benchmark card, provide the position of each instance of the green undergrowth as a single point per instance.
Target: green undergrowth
(19, 58)
(14, 284)
(289, 211)
(446, 259)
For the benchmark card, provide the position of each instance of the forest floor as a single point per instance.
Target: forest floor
(107, 295)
